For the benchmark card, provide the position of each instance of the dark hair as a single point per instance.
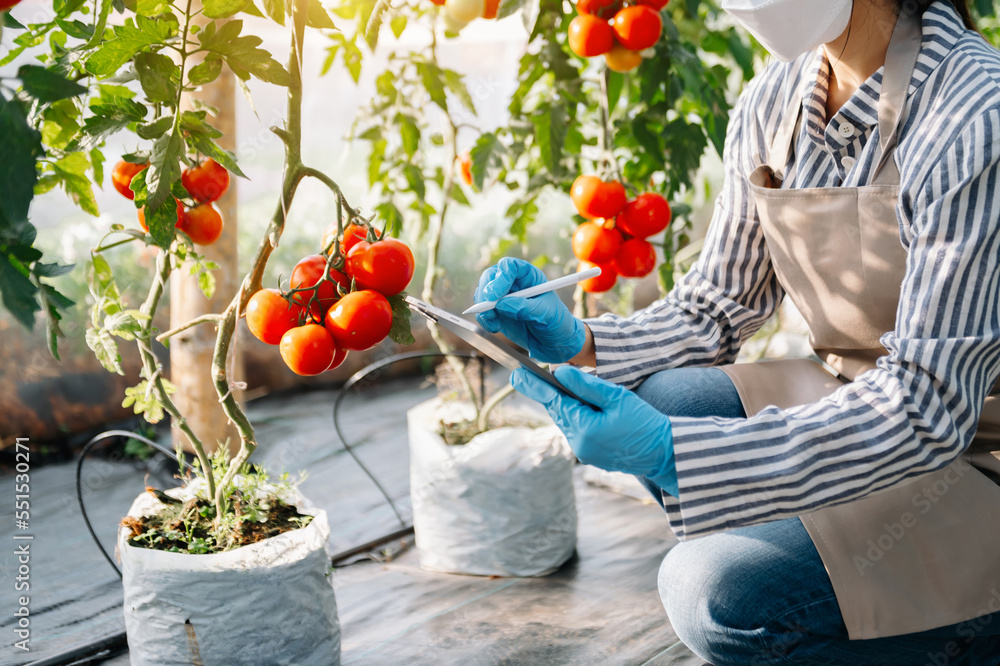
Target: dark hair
(961, 6)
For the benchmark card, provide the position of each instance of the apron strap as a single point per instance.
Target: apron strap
(900, 60)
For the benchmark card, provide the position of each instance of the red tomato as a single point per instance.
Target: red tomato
(604, 9)
(270, 315)
(206, 182)
(621, 59)
(635, 259)
(594, 198)
(637, 27)
(492, 7)
(7, 4)
(309, 273)
(646, 215)
(596, 244)
(385, 266)
(603, 282)
(465, 163)
(180, 216)
(123, 173)
(360, 320)
(353, 234)
(658, 5)
(439, 3)
(338, 359)
(307, 350)
(202, 224)
(590, 36)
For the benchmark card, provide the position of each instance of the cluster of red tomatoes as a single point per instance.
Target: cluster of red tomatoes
(205, 183)
(617, 30)
(337, 302)
(614, 235)
(459, 13)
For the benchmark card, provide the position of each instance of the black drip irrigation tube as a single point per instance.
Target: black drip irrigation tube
(114, 644)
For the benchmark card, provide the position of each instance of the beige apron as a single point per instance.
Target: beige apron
(924, 554)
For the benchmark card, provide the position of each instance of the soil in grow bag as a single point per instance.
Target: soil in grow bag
(186, 527)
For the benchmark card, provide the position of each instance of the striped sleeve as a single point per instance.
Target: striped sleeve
(729, 293)
(917, 411)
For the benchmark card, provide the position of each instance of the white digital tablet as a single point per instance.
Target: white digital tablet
(497, 348)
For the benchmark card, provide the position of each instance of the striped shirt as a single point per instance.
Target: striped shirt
(918, 410)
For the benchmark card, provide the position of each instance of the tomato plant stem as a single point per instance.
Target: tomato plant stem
(152, 368)
(291, 135)
(203, 319)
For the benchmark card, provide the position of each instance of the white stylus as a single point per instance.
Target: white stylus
(539, 289)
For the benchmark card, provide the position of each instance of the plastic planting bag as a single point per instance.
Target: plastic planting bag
(271, 602)
(502, 505)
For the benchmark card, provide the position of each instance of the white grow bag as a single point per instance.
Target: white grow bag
(270, 602)
(501, 505)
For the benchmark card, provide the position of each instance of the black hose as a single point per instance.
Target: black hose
(362, 374)
(79, 488)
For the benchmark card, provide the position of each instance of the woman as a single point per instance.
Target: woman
(849, 516)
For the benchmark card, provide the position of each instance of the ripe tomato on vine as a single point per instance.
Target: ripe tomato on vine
(308, 350)
(203, 224)
(590, 36)
(122, 175)
(385, 266)
(355, 320)
(206, 182)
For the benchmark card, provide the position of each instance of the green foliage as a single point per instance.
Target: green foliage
(649, 129)
(54, 122)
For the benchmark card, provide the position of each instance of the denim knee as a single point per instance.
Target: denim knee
(694, 392)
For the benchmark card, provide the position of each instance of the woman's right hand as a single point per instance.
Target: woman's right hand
(543, 325)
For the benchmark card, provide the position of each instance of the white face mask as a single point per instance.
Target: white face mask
(789, 28)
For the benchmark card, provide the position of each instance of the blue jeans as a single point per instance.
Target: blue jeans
(760, 595)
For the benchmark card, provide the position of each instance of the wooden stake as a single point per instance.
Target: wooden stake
(191, 350)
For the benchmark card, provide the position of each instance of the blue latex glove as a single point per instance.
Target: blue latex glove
(626, 434)
(543, 325)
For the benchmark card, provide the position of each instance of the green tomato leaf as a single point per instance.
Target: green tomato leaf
(164, 169)
(485, 156)
(18, 292)
(410, 134)
(157, 75)
(318, 17)
(20, 145)
(218, 9)
(128, 40)
(46, 85)
(106, 350)
(400, 332)
(205, 72)
(241, 53)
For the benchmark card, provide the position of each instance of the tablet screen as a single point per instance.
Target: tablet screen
(497, 348)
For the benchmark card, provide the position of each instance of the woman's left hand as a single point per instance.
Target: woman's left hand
(623, 434)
